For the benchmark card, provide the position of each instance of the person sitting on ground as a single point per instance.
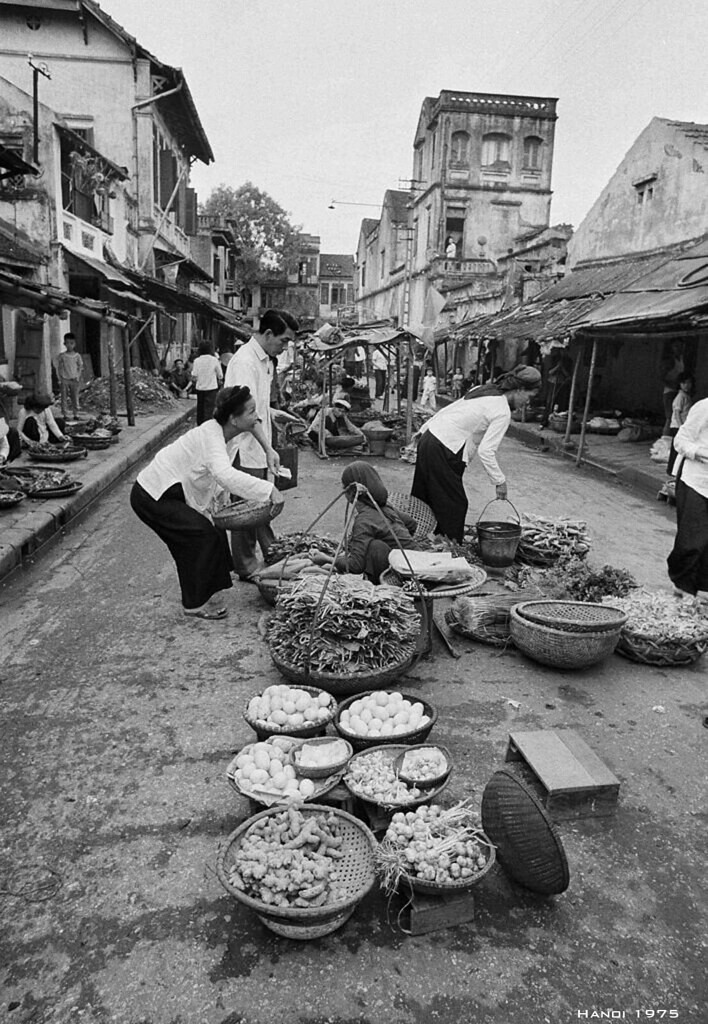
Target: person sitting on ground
(10, 445)
(36, 423)
(334, 421)
(343, 388)
(374, 533)
(179, 381)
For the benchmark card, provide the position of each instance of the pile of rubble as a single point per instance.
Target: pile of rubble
(150, 393)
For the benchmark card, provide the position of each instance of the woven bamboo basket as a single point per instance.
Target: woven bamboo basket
(10, 498)
(392, 751)
(260, 795)
(647, 650)
(425, 888)
(391, 578)
(341, 684)
(60, 455)
(559, 648)
(300, 731)
(315, 773)
(241, 514)
(91, 442)
(360, 743)
(573, 616)
(417, 509)
(356, 873)
(430, 780)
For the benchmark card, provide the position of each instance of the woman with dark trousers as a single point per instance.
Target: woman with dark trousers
(208, 377)
(688, 561)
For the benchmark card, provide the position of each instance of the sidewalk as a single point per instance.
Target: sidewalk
(25, 528)
(627, 462)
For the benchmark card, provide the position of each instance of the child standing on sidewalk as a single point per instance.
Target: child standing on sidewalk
(430, 389)
(70, 366)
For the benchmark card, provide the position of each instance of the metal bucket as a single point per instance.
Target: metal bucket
(498, 539)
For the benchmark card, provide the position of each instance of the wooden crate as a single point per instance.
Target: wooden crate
(571, 780)
(431, 913)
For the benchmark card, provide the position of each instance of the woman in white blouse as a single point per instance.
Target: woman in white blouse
(208, 377)
(176, 492)
(688, 562)
(473, 424)
(36, 423)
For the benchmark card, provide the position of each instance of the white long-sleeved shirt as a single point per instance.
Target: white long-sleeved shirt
(475, 425)
(201, 461)
(207, 373)
(252, 367)
(692, 436)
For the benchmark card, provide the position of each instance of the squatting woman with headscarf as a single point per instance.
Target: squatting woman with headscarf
(475, 423)
(175, 493)
(373, 535)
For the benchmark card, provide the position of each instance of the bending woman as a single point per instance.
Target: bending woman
(475, 423)
(174, 494)
(688, 562)
(373, 535)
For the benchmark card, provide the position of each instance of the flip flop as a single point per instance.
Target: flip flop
(206, 613)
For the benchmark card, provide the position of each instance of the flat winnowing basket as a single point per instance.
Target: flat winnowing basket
(356, 869)
(574, 616)
(241, 514)
(647, 650)
(559, 648)
(417, 509)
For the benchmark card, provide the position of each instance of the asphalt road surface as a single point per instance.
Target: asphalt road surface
(120, 717)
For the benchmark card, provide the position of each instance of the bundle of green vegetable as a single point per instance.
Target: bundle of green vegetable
(299, 543)
(585, 584)
(445, 847)
(662, 616)
(358, 626)
(290, 860)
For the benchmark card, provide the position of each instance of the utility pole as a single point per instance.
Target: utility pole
(37, 70)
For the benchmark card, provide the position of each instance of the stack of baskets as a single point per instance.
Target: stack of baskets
(566, 634)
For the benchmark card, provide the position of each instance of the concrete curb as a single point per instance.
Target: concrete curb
(38, 525)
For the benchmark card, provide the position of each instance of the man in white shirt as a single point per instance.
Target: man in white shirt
(380, 365)
(252, 367)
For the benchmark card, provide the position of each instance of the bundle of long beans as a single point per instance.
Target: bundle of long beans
(352, 627)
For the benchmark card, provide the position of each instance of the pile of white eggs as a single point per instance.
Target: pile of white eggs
(383, 714)
(265, 767)
(285, 707)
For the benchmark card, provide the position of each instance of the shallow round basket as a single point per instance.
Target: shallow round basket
(8, 499)
(360, 743)
(299, 731)
(257, 794)
(91, 442)
(392, 751)
(65, 491)
(573, 616)
(432, 780)
(432, 589)
(241, 514)
(559, 648)
(647, 650)
(448, 888)
(343, 442)
(356, 873)
(324, 772)
(417, 509)
(61, 455)
(341, 684)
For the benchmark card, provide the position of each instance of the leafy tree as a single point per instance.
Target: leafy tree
(267, 241)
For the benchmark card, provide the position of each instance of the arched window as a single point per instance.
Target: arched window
(532, 152)
(459, 148)
(495, 149)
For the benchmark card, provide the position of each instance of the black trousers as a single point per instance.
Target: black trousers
(32, 430)
(205, 405)
(688, 562)
(438, 482)
(200, 551)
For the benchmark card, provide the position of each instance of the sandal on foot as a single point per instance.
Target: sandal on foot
(206, 613)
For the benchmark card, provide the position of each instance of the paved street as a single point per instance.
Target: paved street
(120, 716)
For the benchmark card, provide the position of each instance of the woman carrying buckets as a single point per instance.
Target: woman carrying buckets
(475, 423)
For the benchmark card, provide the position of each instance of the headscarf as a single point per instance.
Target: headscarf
(525, 377)
(363, 473)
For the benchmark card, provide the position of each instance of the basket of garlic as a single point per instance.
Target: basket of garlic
(300, 711)
(262, 772)
(381, 716)
(434, 851)
(424, 765)
(372, 777)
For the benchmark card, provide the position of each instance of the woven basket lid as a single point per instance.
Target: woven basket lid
(528, 845)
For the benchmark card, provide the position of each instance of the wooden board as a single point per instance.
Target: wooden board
(430, 913)
(573, 782)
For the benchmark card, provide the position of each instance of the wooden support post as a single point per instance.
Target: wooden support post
(127, 381)
(112, 384)
(409, 389)
(398, 377)
(588, 397)
(571, 399)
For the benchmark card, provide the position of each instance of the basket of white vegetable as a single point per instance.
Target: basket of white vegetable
(424, 765)
(264, 772)
(300, 711)
(382, 716)
(661, 629)
(372, 777)
(320, 757)
(434, 851)
(303, 870)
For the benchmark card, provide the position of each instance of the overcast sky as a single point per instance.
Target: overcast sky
(314, 100)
